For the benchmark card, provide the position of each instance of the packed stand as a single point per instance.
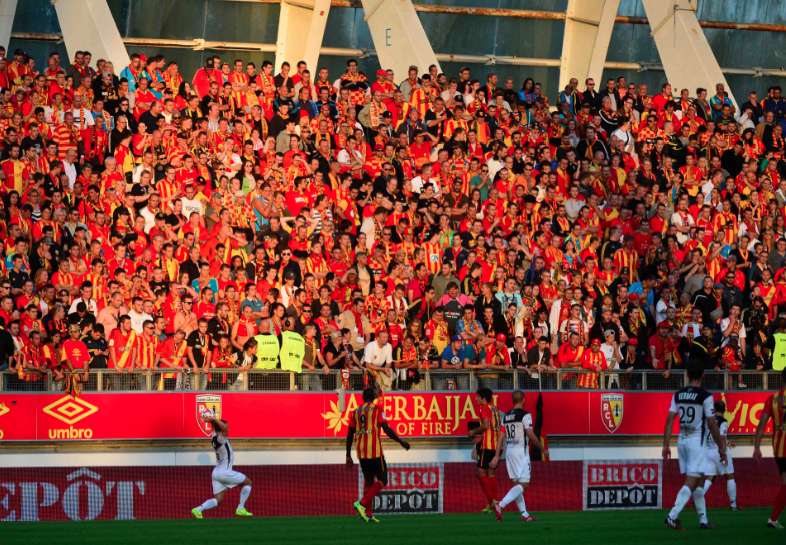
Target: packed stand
(239, 218)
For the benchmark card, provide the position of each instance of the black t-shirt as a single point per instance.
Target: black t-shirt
(200, 346)
(216, 329)
(336, 351)
(93, 346)
(163, 285)
(138, 190)
(18, 278)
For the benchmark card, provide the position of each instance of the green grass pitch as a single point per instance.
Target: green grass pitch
(601, 528)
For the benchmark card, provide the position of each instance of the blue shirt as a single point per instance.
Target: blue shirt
(455, 357)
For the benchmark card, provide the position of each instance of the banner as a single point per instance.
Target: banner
(622, 485)
(412, 489)
(293, 415)
(158, 492)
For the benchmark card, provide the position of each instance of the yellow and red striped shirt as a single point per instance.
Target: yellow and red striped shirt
(488, 440)
(367, 423)
(146, 347)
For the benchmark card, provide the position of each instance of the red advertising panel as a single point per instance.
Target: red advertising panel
(285, 415)
(106, 493)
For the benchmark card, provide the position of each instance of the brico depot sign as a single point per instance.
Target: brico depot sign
(83, 494)
(411, 489)
(622, 485)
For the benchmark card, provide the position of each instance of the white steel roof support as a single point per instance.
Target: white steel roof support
(399, 38)
(301, 28)
(7, 12)
(684, 51)
(585, 42)
(88, 25)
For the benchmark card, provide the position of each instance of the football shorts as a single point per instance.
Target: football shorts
(691, 458)
(713, 466)
(224, 479)
(484, 458)
(518, 463)
(374, 468)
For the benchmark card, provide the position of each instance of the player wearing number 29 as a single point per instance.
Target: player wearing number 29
(516, 434)
(696, 412)
(224, 477)
(367, 423)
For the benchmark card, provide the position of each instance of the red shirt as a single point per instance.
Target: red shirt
(76, 353)
(567, 354)
(497, 356)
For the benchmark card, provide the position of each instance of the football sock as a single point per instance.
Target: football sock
(511, 496)
(731, 490)
(700, 504)
(370, 494)
(683, 497)
(707, 485)
(521, 504)
(209, 504)
(489, 487)
(780, 503)
(245, 492)
(485, 487)
(493, 487)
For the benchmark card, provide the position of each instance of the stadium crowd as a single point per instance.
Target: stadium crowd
(386, 222)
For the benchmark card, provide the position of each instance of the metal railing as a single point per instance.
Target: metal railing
(254, 380)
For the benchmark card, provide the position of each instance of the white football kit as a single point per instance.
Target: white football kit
(224, 477)
(516, 424)
(693, 406)
(712, 461)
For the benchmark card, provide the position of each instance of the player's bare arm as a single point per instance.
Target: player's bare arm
(484, 425)
(667, 435)
(535, 440)
(350, 440)
(765, 418)
(218, 425)
(502, 438)
(390, 433)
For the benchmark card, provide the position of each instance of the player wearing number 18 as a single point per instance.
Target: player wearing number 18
(516, 434)
(367, 423)
(696, 412)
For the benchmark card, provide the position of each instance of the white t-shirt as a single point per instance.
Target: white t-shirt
(375, 355)
(418, 183)
(190, 206)
(137, 319)
(91, 305)
(82, 118)
(345, 158)
(724, 323)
